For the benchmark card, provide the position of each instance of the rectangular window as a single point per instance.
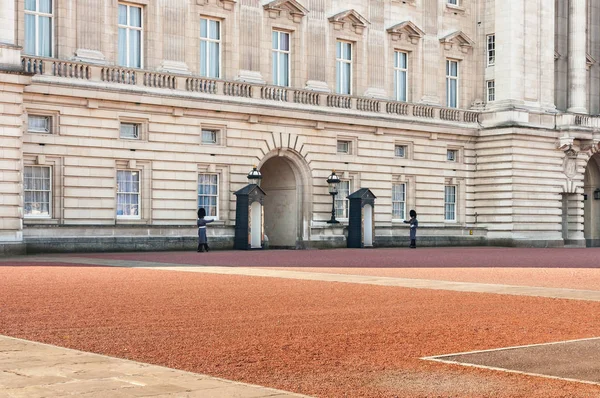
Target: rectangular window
(341, 201)
(210, 48)
(450, 203)
(453, 2)
(37, 187)
(452, 155)
(401, 75)
(39, 124)
(343, 147)
(130, 131)
(343, 63)
(210, 136)
(208, 194)
(130, 36)
(451, 83)
(128, 194)
(39, 28)
(491, 50)
(491, 90)
(399, 201)
(281, 58)
(400, 151)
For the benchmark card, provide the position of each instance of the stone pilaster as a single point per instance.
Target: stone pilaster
(316, 46)
(577, 50)
(90, 28)
(376, 56)
(250, 31)
(173, 16)
(431, 52)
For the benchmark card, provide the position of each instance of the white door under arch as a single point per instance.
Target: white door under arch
(255, 225)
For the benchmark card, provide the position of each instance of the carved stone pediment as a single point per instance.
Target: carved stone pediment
(357, 21)
(457, 38)
(406, 29)
(226, 4)
(294, 9)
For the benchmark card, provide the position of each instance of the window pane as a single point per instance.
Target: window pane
(214, 60)
(203, 58)
(203, 28)
(284, 41)
(45, 36)
(135, 49)
(30, 5)
(275, 40)
(338, 50)
(208, 193)
(46, 6)
(122, 14)
(284, 67)
(122, 47)
(402, 60)
(135, 16)
(30, 34)
(214, 30)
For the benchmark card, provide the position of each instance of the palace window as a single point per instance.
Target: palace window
(399, 201)
(39, 124)
(401, 75)
(341, 201)
(208, 194)
(343, 62)
(451, 83)
(491, 50)
(210, 48)
(400, 151)
(37, 183)
(453, 2)
(130, 36)
(130, 131)
(491, 90)
(452, 155)
(39, 28)
(344, 147)
(128, 194)
(450, 203)
(281, 58)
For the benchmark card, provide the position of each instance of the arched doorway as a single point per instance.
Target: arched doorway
(591, 182)
(286, 181)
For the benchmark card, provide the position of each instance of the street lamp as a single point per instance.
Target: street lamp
(254, 176)
(333, 181)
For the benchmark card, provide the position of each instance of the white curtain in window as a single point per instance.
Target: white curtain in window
(398, 201)
(450, 203)
(341, 201)
(45, 36)
(343, 67)
(210, 48)
(30, 34)
(400, 75)
(208, 193)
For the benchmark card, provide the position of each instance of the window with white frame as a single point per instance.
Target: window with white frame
(130, 131)
(343, 64)
(281, 58)
(39, 28)
(210, 47)
(450, 203)
(208, 194)
(453, 2)
(401, 75)
(400, 151)
(399, 201)
(37, 189)
(452, 155)
(344, 147)
(491, 90)
(341, 201)
(210, 136)
(39, 124)
(491, 50)
(451, 83)
(128, 194)
(130, 36)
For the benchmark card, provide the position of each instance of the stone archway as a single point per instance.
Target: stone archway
(591, 182)
(285, 180)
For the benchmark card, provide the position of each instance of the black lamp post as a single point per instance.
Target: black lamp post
(333, 180)
(254, 176)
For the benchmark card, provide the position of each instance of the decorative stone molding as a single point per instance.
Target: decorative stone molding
(295, 10)
(406, 29)
(91, 56)
(459, 38)
(589, 61)
(226, 4)
(358, 22)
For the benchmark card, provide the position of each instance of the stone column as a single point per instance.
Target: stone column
(577, 51)
(431, 53)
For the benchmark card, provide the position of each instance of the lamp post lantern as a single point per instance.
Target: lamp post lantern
(254, 176)
(333, 180)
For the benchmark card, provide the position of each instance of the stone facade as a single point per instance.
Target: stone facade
(518, 154)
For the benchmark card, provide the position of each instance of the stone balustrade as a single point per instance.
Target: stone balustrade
(159, 80)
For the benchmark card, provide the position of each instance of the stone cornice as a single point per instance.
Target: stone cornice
(457, 37)
(295, 10)
(406, 28)
(358, 22)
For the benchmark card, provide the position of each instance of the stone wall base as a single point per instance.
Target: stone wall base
(12, 249)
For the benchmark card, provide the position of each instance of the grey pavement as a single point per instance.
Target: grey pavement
(35, 370)
(532, 291)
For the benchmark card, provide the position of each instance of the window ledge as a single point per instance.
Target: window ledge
(455, 9)
(133, 221)
(40, 221)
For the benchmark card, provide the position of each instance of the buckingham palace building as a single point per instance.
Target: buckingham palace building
(119, 119)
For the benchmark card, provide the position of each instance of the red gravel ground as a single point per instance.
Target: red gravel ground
(317, 338)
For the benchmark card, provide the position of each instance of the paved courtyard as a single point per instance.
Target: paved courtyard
(432, 322)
